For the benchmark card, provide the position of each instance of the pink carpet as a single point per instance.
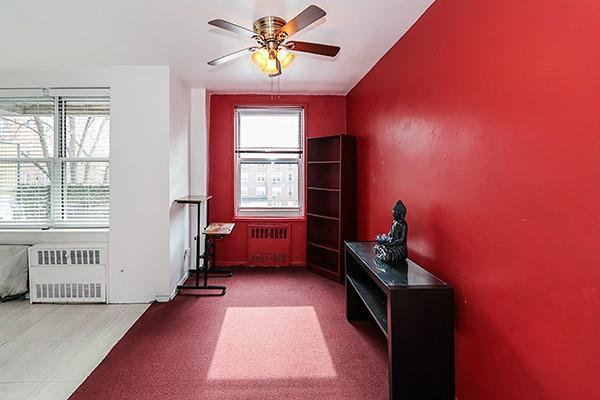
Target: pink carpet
(276, 334)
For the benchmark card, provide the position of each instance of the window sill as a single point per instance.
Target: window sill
(54, 230)
(255, 218)
(270, 215)
(33, 236)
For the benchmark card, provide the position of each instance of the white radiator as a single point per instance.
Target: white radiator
(68, 273)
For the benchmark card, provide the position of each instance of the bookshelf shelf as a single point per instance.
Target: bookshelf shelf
(325, 189)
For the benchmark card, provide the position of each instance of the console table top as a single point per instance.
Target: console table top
(404, 275)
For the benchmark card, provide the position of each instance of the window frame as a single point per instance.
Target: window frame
(274, 211)
(59, 160)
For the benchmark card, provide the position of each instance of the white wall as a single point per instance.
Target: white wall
(139, 203)
(154, 160)
(82, 77)
(198, 156)
(150, 123)
(199, 141)
(179, 98)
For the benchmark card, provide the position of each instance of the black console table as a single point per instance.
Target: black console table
(415, 312)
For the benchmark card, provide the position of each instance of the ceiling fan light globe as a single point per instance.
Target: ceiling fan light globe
(270, 67)
(267, 64)
(260, 58)
(285, 57)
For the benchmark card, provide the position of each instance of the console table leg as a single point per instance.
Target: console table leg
(421, 344)
(399, 388)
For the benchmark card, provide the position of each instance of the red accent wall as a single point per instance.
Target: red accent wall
(484, 118)
(323, 115)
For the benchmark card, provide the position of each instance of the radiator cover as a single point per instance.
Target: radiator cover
(68, 273)
(269, 245)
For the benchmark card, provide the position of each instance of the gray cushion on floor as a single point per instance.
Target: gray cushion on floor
(13, 270)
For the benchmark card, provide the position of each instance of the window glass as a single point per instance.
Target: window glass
(26, 128)
(269, 128)
(87, 128)
(269, 146)
(25, 189)
(54, 156)
(266, 191)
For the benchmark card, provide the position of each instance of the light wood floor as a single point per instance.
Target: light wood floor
(47, 351)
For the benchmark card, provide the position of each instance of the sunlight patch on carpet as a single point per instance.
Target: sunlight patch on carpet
(271, 343)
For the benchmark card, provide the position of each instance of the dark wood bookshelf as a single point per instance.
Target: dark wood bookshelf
(325, 189)
(331, 203)
(323, 162)
(323, 271)
(326, 246)
(332, 217)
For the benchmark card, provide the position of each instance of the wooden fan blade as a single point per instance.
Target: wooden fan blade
(305, 18)
(230, 26)
(231, 56)
(314, 48)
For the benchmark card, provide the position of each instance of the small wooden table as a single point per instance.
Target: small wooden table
(211, 233)
(219, 229)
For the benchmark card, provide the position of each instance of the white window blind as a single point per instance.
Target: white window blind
(54, 161)
(269, 145)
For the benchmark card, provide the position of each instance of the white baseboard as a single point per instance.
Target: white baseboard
(130, 300)
(166, 299)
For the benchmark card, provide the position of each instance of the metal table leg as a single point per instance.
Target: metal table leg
(207, 260)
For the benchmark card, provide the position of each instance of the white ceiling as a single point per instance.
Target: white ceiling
(75, 34)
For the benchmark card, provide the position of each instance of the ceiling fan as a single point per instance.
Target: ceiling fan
(272, 53)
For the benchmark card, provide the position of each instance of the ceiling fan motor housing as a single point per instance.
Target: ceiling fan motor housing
(268, 26)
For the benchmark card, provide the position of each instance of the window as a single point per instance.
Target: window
(290, 192)
(244, 190)
(269, 146)
(54, 162)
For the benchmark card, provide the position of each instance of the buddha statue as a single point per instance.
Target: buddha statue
(392, 248)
